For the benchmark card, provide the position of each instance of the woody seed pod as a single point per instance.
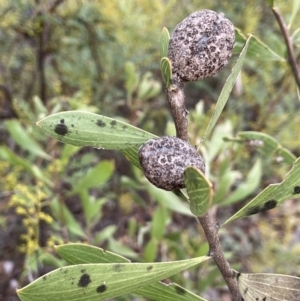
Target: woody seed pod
(201, 45)
(164, 160)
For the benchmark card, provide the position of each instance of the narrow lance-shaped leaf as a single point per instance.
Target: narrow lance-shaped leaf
(164, 43)
(265, 144)
(88, 129)
(199, 190)
(223, 97)
(273, 195)
(96, 176)
(257, 50)
(24, 140)
(268, 287)
(94, 282)
(247, 187)
(82, 253)
(166, 71)
(295, 10)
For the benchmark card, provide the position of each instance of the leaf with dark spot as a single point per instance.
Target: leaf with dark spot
(149, 268)
(269, 205)
(118, 267)
(61, 129)
(113, 123)
(273, 195)
(296, 189)
(265, 287)
(84, 280)
(101, 123)
(88, 129)
(253, 210)
(101, 288)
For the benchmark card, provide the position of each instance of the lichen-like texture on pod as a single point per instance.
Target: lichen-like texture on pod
(164, 160)
(201, 45)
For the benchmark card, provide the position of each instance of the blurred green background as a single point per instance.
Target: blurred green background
(103, 57)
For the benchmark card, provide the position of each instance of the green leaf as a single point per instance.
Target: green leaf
(96, 176)
(24, 140)
(271, 2)
(166, 71)
(268, 287)
(159, 222)
(245, 188)
(226, 179)
(150, 250)
(91, 207)
(66, 217)
(68, 151)
(122, 249)
(88, 129)
(295, 9)
(77, 253)
(82, 253)
(100, 281)
(164, 43)
(199, 190)
(167, 292)
(223, 97)
(169, 200)
(257, 49)
(132, 155)
(273, 195)
(131, 78)
(265, 144)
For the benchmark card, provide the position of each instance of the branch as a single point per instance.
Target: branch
(291, 55)
(216, 252)
(180, 114)
(176, 102)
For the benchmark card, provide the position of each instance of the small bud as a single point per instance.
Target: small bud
(164, 160)
(201, 45)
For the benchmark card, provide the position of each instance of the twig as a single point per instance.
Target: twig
(291, 55)
(176, 100)
(215, 251)
(179, 112)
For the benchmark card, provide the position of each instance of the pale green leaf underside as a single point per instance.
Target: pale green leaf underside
(273, 195)
(82, 253)
(89, 282)
(88, 129)
(78, 253)
(166, 71)
(199, 190)
(274, 287)
(132, 155)
(164, 42)
(265, 144)
(223, 97)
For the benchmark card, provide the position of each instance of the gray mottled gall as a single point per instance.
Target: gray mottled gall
(164, 160)
(201, 45)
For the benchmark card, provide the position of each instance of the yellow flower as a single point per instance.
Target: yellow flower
(21, 211)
